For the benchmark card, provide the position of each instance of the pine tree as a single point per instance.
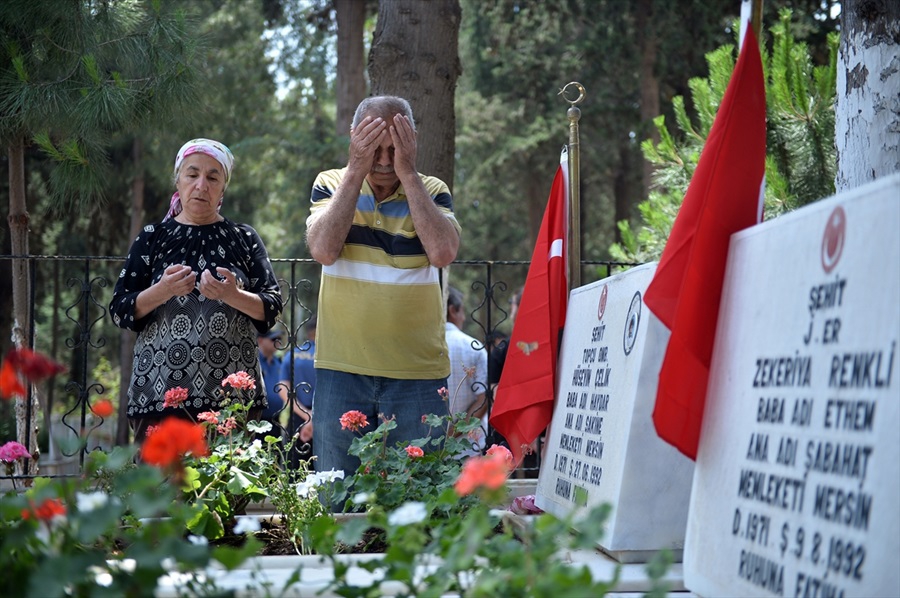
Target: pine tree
(71, 74)
(800, 161)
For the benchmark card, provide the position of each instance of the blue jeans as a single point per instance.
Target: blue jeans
(339, 392)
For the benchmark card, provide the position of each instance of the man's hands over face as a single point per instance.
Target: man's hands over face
(377, 147)
(365, 138)
(403, 137)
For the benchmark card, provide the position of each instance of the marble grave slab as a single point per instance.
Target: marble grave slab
(797, 482)
(601, 445)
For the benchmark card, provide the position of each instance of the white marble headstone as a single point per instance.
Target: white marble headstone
(602, 446)
(797, 483)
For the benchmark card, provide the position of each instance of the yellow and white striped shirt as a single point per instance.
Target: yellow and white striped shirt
(381, 312)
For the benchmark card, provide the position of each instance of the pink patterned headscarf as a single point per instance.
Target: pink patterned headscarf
(217, 150)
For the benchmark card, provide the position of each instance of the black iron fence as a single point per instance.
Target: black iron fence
(69, 321)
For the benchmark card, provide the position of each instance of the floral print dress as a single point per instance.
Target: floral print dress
(193, 342)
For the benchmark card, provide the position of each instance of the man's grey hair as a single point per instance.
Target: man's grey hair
(454, 298)
(385, 107)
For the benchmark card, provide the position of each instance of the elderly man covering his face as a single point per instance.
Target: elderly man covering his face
(381, 231)
(198, 289)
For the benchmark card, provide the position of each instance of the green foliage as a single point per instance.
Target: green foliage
(800, 99)
(73, 74)
(479, 553)
(800, 162)
(84, 537)
(445, 536)
(237, 471)
(102, 534)
(388, 476)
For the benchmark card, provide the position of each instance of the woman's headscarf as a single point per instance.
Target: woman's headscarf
(217, 150)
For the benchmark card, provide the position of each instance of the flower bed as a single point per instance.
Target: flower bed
(434, 514)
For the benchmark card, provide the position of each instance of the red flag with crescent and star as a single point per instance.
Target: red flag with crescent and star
(523, 405)
(724, 196)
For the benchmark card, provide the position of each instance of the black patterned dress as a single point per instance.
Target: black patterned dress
(191, 341)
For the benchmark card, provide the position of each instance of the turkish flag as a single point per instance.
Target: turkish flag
(524, 397)
(724, 196)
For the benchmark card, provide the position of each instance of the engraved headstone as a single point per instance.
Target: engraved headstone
(797, 482)
(602, 446)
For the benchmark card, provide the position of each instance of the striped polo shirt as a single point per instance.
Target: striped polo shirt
(381, 311)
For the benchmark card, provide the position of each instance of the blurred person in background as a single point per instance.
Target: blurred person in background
(270, 366)
(298, 372)
(467, 382)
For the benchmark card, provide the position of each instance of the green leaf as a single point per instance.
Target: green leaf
(206, 523)
(232, 557)
(259, 427)
(352, 530)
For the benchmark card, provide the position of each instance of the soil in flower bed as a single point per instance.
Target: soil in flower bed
(276, 541)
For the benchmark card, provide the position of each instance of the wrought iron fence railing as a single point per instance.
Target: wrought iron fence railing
(69, 320)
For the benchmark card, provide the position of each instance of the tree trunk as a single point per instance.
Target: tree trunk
(127, 337)
(649, 84)
(351, 80)
(414, 55)
(6, 295)
(26, 424)
(536, 192)
(867, 119)
(622, 189)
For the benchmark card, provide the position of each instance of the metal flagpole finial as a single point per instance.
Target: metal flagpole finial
(564, 92)
(573, 259)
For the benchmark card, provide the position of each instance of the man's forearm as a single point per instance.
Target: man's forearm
(329, 228)
(436, 232)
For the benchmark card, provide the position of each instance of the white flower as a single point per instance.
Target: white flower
(168, 564)
(89, 501)
(197, 540)
(255, 448)
(306, 486)
(362, 498)
(101, 576)
(247, 524)
(330, 476)
(408, 513)
(125, 565)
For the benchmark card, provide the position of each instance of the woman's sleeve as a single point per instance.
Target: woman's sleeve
(135, 276)
(262, 279)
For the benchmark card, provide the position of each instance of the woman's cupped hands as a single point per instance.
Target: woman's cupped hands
(179, 280)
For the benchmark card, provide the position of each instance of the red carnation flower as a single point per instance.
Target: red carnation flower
(174, 397)
(240, 381)
(10, 385)
(33, 365)
(489, 472)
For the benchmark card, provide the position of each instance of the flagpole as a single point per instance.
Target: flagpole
(751, 12)
(756, 18)
(573, 259)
